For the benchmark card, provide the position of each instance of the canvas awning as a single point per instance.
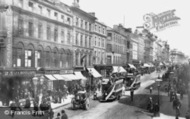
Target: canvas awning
(70, 77)
(146, 65)
(50, 77)
(118, 69)
(79, 74)
(132, 66)
(94, 72)
(58, 76)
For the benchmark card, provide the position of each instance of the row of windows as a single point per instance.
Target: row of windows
(28, 58)
(100, 42)
(116, 60)
(82, 40)
(65, 38)
(42, 10)
(85, 61)
(117, 38)
(99, 57)
(119, 49)
(100, 29)
(82, 24)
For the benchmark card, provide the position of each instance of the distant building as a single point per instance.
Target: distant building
(177, 57)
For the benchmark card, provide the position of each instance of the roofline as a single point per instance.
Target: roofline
(83, 12)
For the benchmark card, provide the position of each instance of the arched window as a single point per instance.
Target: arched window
(29, 56)
(39, 56)
(19, 57)
(55, 57)
(48, 57)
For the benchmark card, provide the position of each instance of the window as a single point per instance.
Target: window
(90, 43)
(39, 30)
(28, 58)
(128, 44)
(95, 41)
(31, 6)
(62, 17)
(38, 59)
(68, 20)
(62, 36)
(85, 41)
(30, 29)
(110, 34)
(81, 40)
(40, 9)
(76, 38)
(69, 37)
(55, 34)
(48, 12)
(55, 15)
(99, 42)
(20, 26)
(77, 22)
(103, 31)
(95, 27)
(81, 24)
(89, 27)
(99, 29)
(86, 25)
(109, 48)
(48, 33)
(102, 42)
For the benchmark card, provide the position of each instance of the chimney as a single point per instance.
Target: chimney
(76, 3)
(92, 13)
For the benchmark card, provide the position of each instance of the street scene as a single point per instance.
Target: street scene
(86, 59)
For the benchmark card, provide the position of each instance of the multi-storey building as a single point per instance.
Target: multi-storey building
(116, 46)
(39, 34)
(157, 51)
(141, 49)
(83, 28)
(177, 57)
(135, 48)
(99, 43)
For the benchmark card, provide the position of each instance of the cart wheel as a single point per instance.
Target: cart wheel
(87, 104)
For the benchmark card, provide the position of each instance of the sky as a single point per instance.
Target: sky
(130, 13)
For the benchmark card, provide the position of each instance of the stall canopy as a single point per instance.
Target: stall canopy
(118, 69)
(70, 77)
(50, 77)
(79, 74)
(94, 73)
(132, 66)
(58, 76)
(146, 65)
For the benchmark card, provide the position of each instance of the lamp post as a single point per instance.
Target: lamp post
(158, 82)
(35, 82)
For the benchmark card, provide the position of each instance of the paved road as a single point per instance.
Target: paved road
(119, 109)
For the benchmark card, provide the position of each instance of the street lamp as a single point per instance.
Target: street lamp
(158, 81)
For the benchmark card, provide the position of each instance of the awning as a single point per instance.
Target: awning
(59, 77)
(146, 65)
(118, 69)
(79, 74)
(132, 66)
(70, 77)
(94, 72)
(50, 77)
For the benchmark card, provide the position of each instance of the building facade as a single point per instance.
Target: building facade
(135, 48)
(82, 34)
(40, 34)
(99, 36)
(118, 46)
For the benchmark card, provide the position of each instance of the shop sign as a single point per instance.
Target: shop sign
(160, 21)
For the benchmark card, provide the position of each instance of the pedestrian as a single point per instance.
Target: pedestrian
(51, 113)
(156, 109)
(132, 94)
(13, 108)
(151, 90)
(64, 115)
(150, 105)
(58, 116)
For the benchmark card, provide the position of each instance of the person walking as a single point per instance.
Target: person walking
(64, 115)
(151, 90)
(132, 94)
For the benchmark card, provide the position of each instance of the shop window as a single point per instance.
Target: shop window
(28, 58)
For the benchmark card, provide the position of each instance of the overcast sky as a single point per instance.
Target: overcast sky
(115, 11)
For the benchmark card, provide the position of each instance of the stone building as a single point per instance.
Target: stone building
(118, 46)
(99, 43)
(82, 44)
(41, 34)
